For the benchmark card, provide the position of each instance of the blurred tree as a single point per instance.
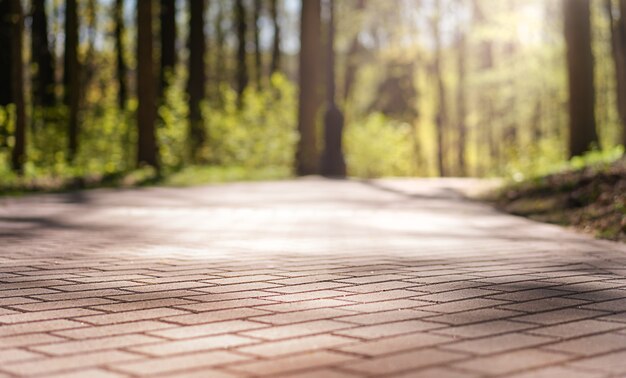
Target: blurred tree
(582, 123)
(147, 152)
(333, 163)
(352, 58)
(197, 77)
(242, 68)
(618, 49)
(258, 62)
(18, 155)
(461, 106)
(121, 68)
(5, 59)
(71, 75)
(275, 65)
(441, 112)
(43, 72)
(168, 40)
(310, 49)
(220, 56)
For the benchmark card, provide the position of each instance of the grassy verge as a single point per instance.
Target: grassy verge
(591, 198)
(189, 176)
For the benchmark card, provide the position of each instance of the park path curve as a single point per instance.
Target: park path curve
(303, 278)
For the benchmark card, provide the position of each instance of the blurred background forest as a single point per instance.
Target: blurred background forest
(426, 87)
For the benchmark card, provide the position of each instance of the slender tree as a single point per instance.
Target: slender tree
(461, 45)
(618, 44)
(43, 75)
(71, 75)
(242, 69)
(440, 117)
(122, 90)
(582, 123)
(197, 77)
(351, 59)
(220, 58)
(18, 155)
(258, 62)
(168, 40)
(147, 152)
(333, 162)
(310, 46)
(275, 65)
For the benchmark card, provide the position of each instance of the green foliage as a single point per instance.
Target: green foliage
(379, 146)
(260, 134)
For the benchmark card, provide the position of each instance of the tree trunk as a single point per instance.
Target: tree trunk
(18, 155)
(275, 66)
(258, 62)
(146, 91)
(6, 92)
(461, 103)
(43, 78)
(242, 69)
(71, 75)
(168, 41)
(122, 90)
(197, 77)
(582, 124)
(440, 118)
(351, 63)
(618, 44)
(310, 46)
(333, 162)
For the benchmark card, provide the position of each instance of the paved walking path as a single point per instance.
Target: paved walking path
(307, 278)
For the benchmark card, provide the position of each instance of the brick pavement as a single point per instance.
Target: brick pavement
(307, 278)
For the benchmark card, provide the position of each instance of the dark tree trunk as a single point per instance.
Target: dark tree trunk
(18, 155)
(43, 78)
(197, 77)
(275, 66)
(5, 59)
(461, 103)
(168, 41)
(440, 117)
(310, 46)
(258, 62)
(333, 162)
(122, 90)
(71, 75)
(146, 89)
(582, 124)
(242, 68)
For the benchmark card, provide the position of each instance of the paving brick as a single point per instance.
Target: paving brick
(193, 345)
(165, 365)
(128, 316)
(65, 363)
(216, 316)
(207, 329)
(293, 363)
(591, 345)
(488, 328)
(55, 305)
(92, 345)
(558, 316)
(508, 363)
(388, 329)
(473, 316)
(499, 343)
(45, 315)
(577, 328)
(88, 332)
(298, 345)
(394, 344)
(613, 363)
(401, 362)
(297, 330)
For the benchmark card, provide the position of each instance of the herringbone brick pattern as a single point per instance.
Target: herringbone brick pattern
(307, 278)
